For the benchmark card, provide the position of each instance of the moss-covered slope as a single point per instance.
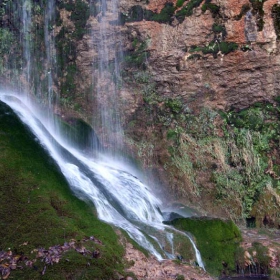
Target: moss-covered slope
(38, 210)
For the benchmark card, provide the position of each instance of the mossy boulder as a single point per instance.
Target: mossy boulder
(217, 241)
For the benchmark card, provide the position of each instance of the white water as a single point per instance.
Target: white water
(119, 197)
(50, 50)
(108, 47)
(26, 35)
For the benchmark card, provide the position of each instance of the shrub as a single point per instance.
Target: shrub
(174, 105)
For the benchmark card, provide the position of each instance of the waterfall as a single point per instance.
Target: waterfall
(107, 75)
(50, 51)
(26, 37)
(120, 198)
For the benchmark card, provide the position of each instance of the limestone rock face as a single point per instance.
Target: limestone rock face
(238, 79)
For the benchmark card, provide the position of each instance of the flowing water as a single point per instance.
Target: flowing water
(50, 51)
(120, 198)
(26, 15)
(108, 46)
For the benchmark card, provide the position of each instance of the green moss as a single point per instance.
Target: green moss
(7, 39)
(195, 56)
(165, 15)
(218, 28)
(215, 46)
(79, 16)
(246, 48)
(137, 13)
(138, 55)
(228, 47)
(4, 8)
(256, 134)
(68, 86)
(175, 105)
(180, 3)
(219, 254)
(187, 10)
(171, 134)
(262, 257)
(213, 8)
(38, 207)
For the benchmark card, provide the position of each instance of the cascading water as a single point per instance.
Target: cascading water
(26, 37)
(50, 50)
(120, 198)
(107, 75)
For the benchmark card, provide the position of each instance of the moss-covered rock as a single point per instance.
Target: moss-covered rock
(217, 241)
(187, 10)
(215, 47)
(213, 8)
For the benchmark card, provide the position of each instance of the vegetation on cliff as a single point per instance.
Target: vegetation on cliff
(221, 160)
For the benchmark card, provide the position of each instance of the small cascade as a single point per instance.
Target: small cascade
(170, 239)
(197, 253)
